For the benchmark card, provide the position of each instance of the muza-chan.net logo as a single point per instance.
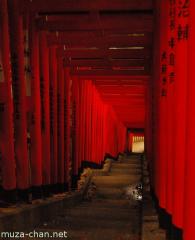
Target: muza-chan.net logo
(33, 234)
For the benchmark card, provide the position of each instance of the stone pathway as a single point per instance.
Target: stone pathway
(110, 215)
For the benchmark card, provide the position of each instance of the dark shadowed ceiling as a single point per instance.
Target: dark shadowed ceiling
(107, 41)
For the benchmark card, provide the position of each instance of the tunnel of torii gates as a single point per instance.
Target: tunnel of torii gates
(55, 115)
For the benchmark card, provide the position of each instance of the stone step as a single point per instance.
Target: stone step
(152, 231)
(120, 181)
(70, 223)
(134, 171)
(105, 234)
(110, 193)
(93, 234)
(72, 235)
(102, 213)
(126, 166)
(109, 215)
(125, 174)
(126, 161)
(133, 156)
(111, 203)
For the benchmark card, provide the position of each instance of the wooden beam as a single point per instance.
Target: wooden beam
(132, 119)
(129, 80)
(117, 54)
(136, 113)
(135, 22)
(140, 124)
(130, 103)
(136, 122)
(121, 100)
(119, 91)
(95, 39)
(136, 125)
(126, 88)
(122, 79)
(132, 116)
(140, 100)
(137, 88)
(104, 62)
(83, 5)
(126, 108)
(124, 100)
(128, 111)
(108, 72)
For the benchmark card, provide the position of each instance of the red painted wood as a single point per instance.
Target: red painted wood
(60, 5)
(93, 124)
(35, 127)
(45, 108)
(180, 120)
(101, 63)
(100, 113)
(95, 38)
(67, 125)
(82, 113)
(78, 123)
(109, 72)
(19, 95)
(84, 126)
(156, 98)
(61, 123)
(53, 113)
(7, 134)
(90, 120)
(101, 53)
(141, 22)
(163, 105)
(99, 126)
(171, 108)
(189, 194)
(75, 125)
